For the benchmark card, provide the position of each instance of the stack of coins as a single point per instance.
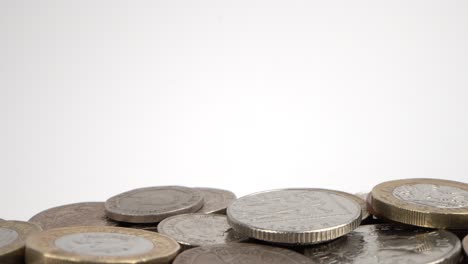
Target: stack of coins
(402, 221)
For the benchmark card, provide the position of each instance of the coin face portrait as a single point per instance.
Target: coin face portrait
(445, 197)
(240, 254)
(385, 244)
(104, 244)
(199, 229)
(294, 210)
(7, 236)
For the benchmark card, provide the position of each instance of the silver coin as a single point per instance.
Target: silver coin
(446, 197)
(465, 245)
(294, 216)
(216, 200)
(193, 230)
(386, 244)
(153, 204)
(236, 253)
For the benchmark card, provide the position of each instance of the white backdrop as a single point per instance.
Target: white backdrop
(98, 97)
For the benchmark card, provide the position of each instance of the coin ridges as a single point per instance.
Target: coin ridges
(415, 211)
(294, 216)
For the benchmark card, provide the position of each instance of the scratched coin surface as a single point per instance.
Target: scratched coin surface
(294, 216)
(216, 200)
(430, 203)
(153, 204)
(386, 244)
(95, 244)
(237, 253)
(12, 236)
(193, 230)
(78, 214)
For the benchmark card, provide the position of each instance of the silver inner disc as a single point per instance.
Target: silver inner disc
(7, 236)
(445, 197)
(104, 244)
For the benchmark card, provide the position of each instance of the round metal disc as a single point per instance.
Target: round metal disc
(386, 244)
(236, 253)
(12, 236)
(465, 245)
(153, 204)
(193, 230)
(294, 216)
(100, 244)
(78, 214)
(216, 200)
(422, 202)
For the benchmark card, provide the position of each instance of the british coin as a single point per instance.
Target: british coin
(386, 244)
(153, 204)
(194, 230)
(235, 253)
(294, 216)
(362, 203)
(429, 203)
(99, 244)
(12, 236)
(216, 200)
(78, 214)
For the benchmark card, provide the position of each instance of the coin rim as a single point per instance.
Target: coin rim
(294, 237)
(216, 210)
(40, 248)
(385, 204)
(24, 229)
(299, 258)
(185, 243)
(117, 214)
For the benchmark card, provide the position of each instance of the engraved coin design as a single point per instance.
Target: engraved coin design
(236, 253)
(430, 203)
(104, 244)
(100, 244)
(12, 236)
(78, 214)
(192, 230)
(153, 204)
(432, 195)
(294, 216)
(386, 244)
(216, 200)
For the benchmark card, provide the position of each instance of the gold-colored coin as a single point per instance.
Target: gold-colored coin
(12, 237)
(100, 244)
(429, 203)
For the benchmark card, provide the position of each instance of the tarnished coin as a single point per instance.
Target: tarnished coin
(236, 253)
(78, 214)
(386, 244)
(216, 200)
(193, 230)
(153, 204)
(294, 216)
(99, 244)
(423, 202)
(12, 236)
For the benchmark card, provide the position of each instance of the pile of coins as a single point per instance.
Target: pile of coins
(401, 221)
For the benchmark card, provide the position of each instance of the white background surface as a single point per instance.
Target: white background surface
(98, 97)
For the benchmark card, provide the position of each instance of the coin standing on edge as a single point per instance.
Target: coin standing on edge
(216, 200)
(235, 253)
(99, 244)
(78, 214)
(429, 203)
(12, 236)
(153, 204)
(385, 243)
(294, 216)
(194, 230)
